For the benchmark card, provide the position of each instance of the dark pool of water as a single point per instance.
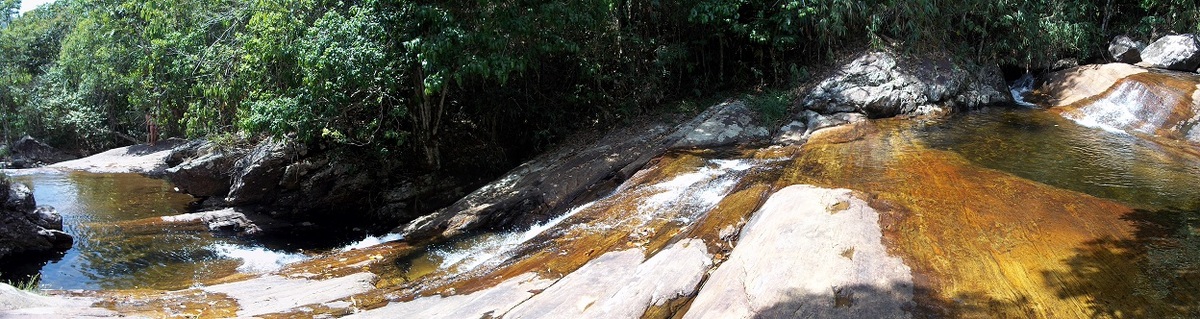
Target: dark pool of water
(110, 257)
(1047, 148)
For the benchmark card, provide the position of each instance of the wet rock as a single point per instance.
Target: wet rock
(26, 228)
(587, 167)
(29, 152)
(882, 84)
(808, 253)
(1173, 52)
(1072, 85)
(725, 124)
(1126, 50)
(1152, 103)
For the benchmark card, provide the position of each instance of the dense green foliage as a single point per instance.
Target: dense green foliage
(405, 77)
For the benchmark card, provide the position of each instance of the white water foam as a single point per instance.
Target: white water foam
(372, 241)
(1021, 87)
(696, 192)
(256, 259)
(492, 250)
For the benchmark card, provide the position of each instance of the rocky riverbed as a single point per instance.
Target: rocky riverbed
(839, 213)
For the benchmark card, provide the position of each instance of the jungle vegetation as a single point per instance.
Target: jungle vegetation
(410, 79)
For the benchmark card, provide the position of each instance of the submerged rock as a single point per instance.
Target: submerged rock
(1179, 52)
(1126, 50)
(882, 84)
(26, 228)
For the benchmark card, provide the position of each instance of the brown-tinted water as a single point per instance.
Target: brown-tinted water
(107, 256)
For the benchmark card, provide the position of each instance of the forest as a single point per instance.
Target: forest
(411, 79)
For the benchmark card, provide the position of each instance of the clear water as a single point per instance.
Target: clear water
(107, 256)
(1047, 148)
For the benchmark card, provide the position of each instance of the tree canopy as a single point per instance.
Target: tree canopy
(402, 77)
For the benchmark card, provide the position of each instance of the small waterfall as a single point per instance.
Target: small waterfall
(494, 249)
(1144, 103)
(680, 199)
(1020, 88)
(256, 259)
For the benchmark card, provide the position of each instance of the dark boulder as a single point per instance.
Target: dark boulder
(26, 228)
(1126, 50)
(202, 169)
(1173, 52)
(29, 152)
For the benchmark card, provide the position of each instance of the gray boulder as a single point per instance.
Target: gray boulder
(27, 228)
(1126, 50)
(1173, 52)
(724, 124)
(882, 84)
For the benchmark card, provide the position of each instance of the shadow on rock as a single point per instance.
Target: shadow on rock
(1156, 274)
(869, 301)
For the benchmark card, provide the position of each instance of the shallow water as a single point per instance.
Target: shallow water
(1047, 148)
(107, 256)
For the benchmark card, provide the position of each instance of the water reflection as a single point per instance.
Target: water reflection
(1044, 147)
(107, 257)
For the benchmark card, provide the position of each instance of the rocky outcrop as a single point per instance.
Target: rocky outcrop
(202, 169)
(883, 84)
(1125, 50)
(26, 228)
(29, 152)
(1173, 52)
(560, 178)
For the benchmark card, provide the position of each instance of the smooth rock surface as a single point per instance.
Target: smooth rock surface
(272, 294)
(16, 303)
(1173, 52)
(492, 301)
(142, 159)
(228, 219)
(621, 284)
(808, 253)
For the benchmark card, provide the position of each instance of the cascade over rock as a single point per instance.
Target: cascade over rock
(883, 84)
(1126, 50)
(1179, 52)
(1127, 98)
(561, 178)
(26, 227)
